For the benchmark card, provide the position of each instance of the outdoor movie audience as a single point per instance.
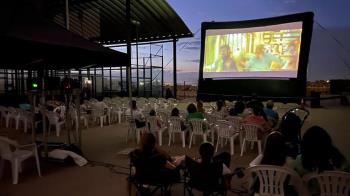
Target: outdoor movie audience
(312, 153)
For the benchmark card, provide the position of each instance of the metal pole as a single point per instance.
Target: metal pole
(137, 61)
(162, 71)
(67, 14)
(144, 76)
(95, 80)
(174, 68)
(128, 68)
(151, 70)
(103, 83)
(110, 81)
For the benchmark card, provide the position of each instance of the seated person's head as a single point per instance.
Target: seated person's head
(152, 113)
(191, 108)
(269, 104)
(133, 105)
(148, 142)
(239, 107)
(206, 150)
(275, 150)
(175, 112)
(232, 112)
(257, 111)
(316, 149)
(219, 105)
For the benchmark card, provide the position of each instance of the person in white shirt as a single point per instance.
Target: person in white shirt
(137, 115)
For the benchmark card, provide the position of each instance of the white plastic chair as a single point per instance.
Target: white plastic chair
(226, 131)
(251, 135)
(4, 113)
(236, 123)
(175, 127)
(27, 118)
(54, 120)
(12, 113)
(332, 183)
(272, 179)
(197, 129)
(153, 128)
(76, 121)
(98, 113)
(17, 156)
(133, 130)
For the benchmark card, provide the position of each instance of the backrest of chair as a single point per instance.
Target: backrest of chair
(152, 120)
(3, 111)
(53, 117)
(224, 129)
(204, 177)
(175, 124)
(98, 109)
(251, 131)
(213, 117)
(12, 111)
(149, 166)
(272, 178)
(163, 114)
(303, 114)
(197, 126)
(5, 144)
(235, 121)
(332, 183)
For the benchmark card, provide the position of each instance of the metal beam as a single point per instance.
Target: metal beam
(174, 68)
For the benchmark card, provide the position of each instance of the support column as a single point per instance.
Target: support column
(128, 42)
(174, 69)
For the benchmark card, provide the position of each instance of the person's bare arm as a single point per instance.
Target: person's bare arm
(170, 165)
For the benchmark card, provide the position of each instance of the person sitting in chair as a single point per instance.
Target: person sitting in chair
(209, 173)
(153, 165)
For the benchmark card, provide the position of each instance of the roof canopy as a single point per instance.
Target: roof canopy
(105, 20)
(30, 42)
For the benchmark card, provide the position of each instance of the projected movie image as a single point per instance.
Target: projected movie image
(258, 52)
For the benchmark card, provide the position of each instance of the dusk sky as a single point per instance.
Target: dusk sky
(328, 59)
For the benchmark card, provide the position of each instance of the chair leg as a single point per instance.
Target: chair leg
(169, 138)
(205, 137)
(7, 120)
(138, 136)
(183, 139)
(212, 137)
(259, 147)
(14, 165)
(17, 123)
(242, 147)
(232, 146)
(191, 137)
(160, 138)
(2, 163)
(57, 130)
(25, 126)
(217, 143)
(37, 161)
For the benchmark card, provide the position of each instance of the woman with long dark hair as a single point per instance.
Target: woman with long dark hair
(318, 153)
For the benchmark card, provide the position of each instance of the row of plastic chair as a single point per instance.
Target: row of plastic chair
(272, 181)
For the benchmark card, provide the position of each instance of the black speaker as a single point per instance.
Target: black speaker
(315, 101)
